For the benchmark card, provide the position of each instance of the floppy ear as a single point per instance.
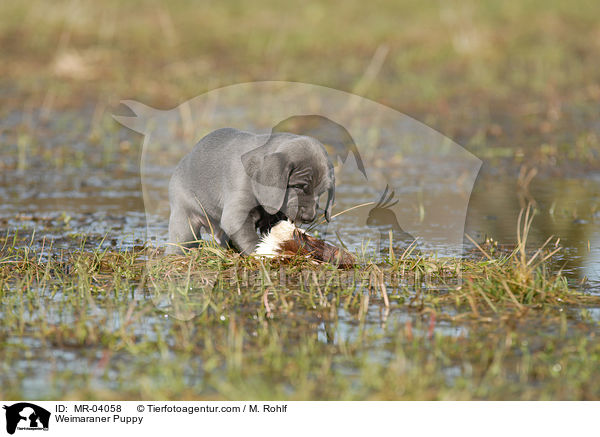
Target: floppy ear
(330, 194)
(269, 175)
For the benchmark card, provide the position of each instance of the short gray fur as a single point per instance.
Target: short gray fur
(234, 183)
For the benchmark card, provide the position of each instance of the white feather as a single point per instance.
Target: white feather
(270, 243)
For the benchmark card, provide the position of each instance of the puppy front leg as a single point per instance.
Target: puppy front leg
(239, 225)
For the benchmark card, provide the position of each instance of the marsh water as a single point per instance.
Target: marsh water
(98, 194)
(61, 204)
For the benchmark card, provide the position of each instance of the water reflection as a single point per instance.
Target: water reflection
(567, 209)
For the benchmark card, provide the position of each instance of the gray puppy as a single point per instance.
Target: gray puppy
(234, 182)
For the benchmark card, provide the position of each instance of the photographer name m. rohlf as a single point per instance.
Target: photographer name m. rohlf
(274, 408)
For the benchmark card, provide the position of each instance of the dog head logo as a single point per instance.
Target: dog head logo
(26, 416)
(428, 176)
(336, 139)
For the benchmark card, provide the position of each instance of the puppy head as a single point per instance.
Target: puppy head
(289, 174)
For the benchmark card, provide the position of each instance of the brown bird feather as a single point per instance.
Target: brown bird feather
(286, 240)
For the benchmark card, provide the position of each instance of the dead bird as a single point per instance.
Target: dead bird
(286, 240)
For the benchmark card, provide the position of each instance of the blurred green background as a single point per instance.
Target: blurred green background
(520, 78)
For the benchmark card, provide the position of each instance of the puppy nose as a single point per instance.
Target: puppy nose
(309, 217)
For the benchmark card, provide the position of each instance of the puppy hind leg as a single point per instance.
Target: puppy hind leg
(183, 232)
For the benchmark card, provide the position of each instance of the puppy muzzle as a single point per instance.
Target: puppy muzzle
(308, 217)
